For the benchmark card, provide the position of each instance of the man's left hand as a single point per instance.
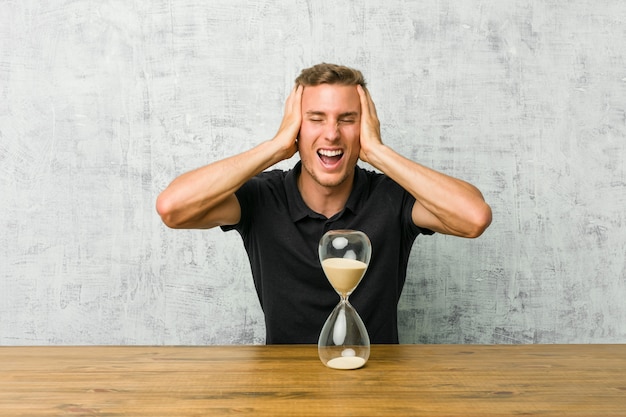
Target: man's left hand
(370, 125)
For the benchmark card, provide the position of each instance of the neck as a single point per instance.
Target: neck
(324, 200)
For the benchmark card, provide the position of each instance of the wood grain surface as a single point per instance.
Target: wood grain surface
(401, 380)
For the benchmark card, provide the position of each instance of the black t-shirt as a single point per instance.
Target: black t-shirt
(281, 236)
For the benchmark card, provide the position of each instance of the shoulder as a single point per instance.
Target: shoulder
(374, 180)
(261, 195)
(264, 188)
(386, 198)
(274, 175)
(267, 179)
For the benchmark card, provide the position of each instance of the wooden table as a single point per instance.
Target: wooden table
(402, 380)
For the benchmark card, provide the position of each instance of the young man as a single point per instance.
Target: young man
(330, 120)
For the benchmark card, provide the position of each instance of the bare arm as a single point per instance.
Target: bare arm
(443, 204)
(205, 197)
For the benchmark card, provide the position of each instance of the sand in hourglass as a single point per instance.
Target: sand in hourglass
(343, 273)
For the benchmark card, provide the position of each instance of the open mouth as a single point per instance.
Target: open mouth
(330, 157)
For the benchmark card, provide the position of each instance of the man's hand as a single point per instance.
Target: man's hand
(289, 129)
(370, 125)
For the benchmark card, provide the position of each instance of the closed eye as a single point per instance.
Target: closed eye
(348, 118)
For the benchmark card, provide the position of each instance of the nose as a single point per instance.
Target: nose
(332, 130)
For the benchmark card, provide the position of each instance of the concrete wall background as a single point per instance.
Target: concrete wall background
(103, 103)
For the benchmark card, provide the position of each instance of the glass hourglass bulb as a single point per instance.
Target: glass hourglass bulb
(344, 342)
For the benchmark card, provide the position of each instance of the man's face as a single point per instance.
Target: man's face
(329, 136)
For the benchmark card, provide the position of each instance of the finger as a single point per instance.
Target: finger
(365, 108)
(370, 102)
(367, 104)
(298, 97)
(294, 101)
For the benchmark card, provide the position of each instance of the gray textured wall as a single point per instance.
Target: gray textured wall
(103, 102)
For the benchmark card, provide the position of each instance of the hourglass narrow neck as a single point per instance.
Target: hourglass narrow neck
(344, 297)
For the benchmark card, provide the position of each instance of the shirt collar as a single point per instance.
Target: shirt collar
(298, 208)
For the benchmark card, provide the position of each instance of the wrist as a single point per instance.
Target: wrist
(282, 147)
(374, 154)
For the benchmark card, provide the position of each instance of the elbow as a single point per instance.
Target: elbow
(481, 219)
(165, 209)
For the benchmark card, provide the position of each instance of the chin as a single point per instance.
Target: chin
(330, 180)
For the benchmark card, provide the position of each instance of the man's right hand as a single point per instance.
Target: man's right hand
(289, 130)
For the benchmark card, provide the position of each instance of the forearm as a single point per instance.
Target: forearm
(443, 203)
(189, 199)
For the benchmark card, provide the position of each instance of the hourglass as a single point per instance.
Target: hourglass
(344, 342)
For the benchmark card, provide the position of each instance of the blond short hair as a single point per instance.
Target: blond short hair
(330, 74)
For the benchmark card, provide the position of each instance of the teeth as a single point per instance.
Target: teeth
(326, 152)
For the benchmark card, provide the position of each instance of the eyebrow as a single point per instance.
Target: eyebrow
(342, 115)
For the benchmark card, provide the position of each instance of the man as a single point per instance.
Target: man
(330, 120)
